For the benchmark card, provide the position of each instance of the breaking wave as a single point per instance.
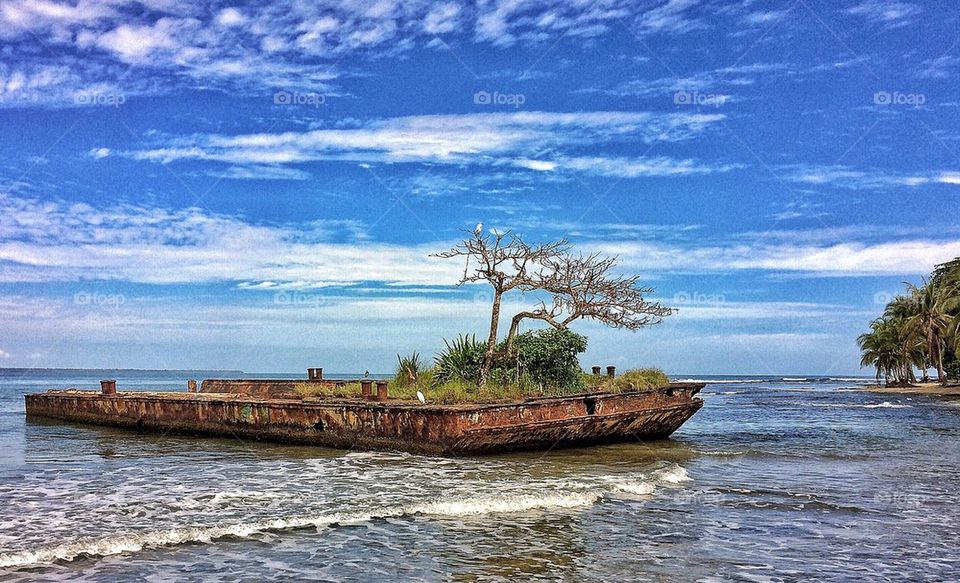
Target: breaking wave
(883, 405)
(726, 381)
(888, 405)
(580, 494)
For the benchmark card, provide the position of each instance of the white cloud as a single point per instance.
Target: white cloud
(949, 178)
(765, 17)
(730, 310)
(260, 172)
(230, 17)
(847, 177)
(907, 257)
(56, 241)
(288, 43)
(708, 88)
(442, 18)
(138, 44)
(891, 13)
(507, 22)
(538, 165)
(637, 167)
(488, 139)
(671, 16)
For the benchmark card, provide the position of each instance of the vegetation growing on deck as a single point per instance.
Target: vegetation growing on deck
(458, 391)
(567, 287)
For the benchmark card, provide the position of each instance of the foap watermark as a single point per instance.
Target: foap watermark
(882, 298)
(899, 499)
(100, 99)
(509, 303)
(514, 100)
(699, 497)
(297, 98)
(898, 98)
(295, 298)
(697, 98)
(697, 298)
(99, 300)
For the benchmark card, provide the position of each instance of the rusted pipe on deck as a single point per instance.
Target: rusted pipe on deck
(366, 389)
(314, 374)
(108, 387)
(611, 371)
(381, 391)
(191, 386)
(595, 371)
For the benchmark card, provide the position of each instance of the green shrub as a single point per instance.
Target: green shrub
(592, 381)
(408, 370)
(952, 370)
(461, 360)
(548, 359)
(637, 380)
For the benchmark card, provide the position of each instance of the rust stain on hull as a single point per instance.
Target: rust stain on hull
(541, 423)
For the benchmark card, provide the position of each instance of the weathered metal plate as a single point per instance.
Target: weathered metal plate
(542, 423)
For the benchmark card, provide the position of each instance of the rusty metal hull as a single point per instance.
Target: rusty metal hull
(532, 424)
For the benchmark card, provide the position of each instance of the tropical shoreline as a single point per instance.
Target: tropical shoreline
(917, 389)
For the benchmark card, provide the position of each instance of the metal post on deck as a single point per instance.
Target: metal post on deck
(108, 387)
(366, 389)
(611, 371)
(596, 371)
(381, 391)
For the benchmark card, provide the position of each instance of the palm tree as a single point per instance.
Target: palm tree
(918, 330)
(930, 320)
(913, 353)
(947, 277)
(882, 349)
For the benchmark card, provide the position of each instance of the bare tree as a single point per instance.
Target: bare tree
(506, 262)
(584, 286)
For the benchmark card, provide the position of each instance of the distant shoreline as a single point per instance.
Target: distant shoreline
(917, 389)
(134, 370)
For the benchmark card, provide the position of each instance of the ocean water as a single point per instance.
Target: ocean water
(773, 480)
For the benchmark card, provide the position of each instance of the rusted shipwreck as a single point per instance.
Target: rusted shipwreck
(271, 410)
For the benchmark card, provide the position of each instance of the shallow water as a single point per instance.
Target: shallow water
(772, 480)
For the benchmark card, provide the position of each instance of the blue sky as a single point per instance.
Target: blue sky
(259, 186)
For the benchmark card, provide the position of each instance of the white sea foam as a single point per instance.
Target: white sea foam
(725, 381)
(134, 542)
(673, 475)
(507, 504)
(126, 543)
(888, 405)
(576, 494)
(232, 495)
(883, 405)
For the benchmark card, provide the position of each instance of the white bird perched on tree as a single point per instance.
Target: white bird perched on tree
(478, 229)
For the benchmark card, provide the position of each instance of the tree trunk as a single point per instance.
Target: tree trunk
(936, 355)
(492, 339)
(514, 329)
